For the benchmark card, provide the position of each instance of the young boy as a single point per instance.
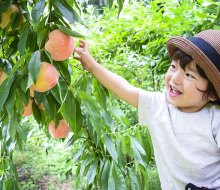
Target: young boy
(183, 123)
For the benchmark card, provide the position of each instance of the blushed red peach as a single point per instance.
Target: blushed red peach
(3, 76)
(47, 78)
(61, 131)
(27, 109)
(6, 16)
(60, 46)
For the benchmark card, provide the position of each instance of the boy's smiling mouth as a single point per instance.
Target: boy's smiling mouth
(174, 92)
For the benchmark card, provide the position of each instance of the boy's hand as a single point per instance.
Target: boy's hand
(84, 56)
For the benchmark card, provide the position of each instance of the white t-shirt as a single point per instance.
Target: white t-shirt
(186, 145)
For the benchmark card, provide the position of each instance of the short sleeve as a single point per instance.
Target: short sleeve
(148, 103)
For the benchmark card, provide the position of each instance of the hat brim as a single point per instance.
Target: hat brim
(198, 56)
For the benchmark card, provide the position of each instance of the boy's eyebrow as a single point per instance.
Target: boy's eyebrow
(193, 69)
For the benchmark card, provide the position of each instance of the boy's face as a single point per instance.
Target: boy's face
(184, 87)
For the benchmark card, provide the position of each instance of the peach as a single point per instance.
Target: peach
(47, 77)
(27, 109)
(6, 16)
(60, 46)
(3, 76)
(61, 131)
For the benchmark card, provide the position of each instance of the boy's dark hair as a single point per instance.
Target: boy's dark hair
(184, 60)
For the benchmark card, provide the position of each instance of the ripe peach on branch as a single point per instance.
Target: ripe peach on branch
(27, 109)
(3, 76)
(61, 131)
(59, 45)
(6, 16)
(47, 77)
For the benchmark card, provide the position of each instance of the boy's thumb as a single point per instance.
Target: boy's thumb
(76, 49)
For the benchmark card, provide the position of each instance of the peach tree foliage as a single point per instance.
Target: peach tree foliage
(107, 158)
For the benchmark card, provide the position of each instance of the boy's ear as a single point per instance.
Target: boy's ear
(212, 97)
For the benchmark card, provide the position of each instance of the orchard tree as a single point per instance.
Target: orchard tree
(36, 78)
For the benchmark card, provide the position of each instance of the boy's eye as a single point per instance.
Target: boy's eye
(172, 66)
(190, 76)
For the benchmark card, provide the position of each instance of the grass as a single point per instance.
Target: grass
(43, 163)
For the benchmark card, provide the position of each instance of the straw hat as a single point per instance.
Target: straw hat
(204, 48)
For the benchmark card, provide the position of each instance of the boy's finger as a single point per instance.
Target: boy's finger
(77, 58)
(77, 50)
(82, 41)
(83, 44)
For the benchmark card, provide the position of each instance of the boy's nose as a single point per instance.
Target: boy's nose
(177, 78)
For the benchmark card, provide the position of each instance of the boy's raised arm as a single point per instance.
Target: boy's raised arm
(116, 84)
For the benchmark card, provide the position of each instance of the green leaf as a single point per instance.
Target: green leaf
(65, 73)
(120, 116)
(62, 88)
(90, 176)
(120, 183)
(41, 37)
(23, 40)
(120, 4)
(70, 141)
(22, 135)
(79, 119)
(38, 10)
(111, 179)
(24, 83)
(9, 105)
(68, 109)
(36, 112)
(145, 178)
(111, 148)
(100, 94)
(4, 91)
(108, 118)
(22, 95)
(67, 11)
(4, 5)
(105, 175)
(32, 41)
(121, 155)
(40, 97)
(34, 65)
(93, 111)
(146, 140)
(138, 151)
(79, 153)
(56, 93)
(15, 20)
(50, 105)
(133, 179)
(42, 24)
(12, 125)
(69, 32)
(15, 68)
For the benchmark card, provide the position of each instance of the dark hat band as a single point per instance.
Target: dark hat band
(208, 50)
